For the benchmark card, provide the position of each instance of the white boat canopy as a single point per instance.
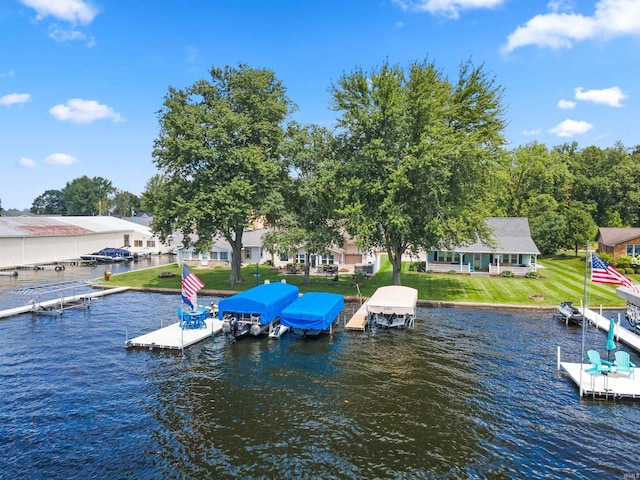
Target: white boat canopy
(393, 299)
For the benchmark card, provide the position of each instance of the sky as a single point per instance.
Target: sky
(82, 81)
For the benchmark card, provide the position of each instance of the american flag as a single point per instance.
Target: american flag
(602, 272)
(190, 285)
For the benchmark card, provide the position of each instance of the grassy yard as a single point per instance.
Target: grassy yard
(562, 279)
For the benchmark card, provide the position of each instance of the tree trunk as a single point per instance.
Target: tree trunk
(395, 257)
(307, 268)
(236, 258)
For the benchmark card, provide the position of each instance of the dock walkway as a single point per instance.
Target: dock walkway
(173, 337)
(621, 334)
(359, 319)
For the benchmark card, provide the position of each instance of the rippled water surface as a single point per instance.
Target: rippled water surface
(466, 394)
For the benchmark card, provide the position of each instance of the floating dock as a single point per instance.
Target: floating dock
(359, 320)
(621, 334)
(174, 337)
(607, 385)
(60, 304)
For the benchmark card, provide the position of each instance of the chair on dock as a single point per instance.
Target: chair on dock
(598, 365)
(623, 364)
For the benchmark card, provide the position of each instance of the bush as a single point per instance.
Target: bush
(623, 261)
(531, 275)
(507, 274)
(452, 272)
(629, 271)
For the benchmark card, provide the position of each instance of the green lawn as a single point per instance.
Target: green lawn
(562, 279)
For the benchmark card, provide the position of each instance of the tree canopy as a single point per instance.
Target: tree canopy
(415, 155)
(218, 150)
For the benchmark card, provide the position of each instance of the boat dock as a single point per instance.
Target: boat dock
(359, 319)
(620, 334)
(608, 385)
(60, 304)
(173, 337)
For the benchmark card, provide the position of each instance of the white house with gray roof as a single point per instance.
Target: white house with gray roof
(514, 250)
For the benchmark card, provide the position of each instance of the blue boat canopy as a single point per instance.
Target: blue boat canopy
(267, 300)
(313, 311)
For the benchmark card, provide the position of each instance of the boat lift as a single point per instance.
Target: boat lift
(42, 297)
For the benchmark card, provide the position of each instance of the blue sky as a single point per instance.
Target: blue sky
(81, 81)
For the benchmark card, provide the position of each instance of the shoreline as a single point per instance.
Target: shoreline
(355, 299)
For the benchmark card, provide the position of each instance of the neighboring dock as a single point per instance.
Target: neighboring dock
(621, 334)
(174, 337)
(60, 304)
(359, 320)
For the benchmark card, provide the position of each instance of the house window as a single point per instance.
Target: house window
(284, 257)
(214, 255)
(247, 254)
(327, 259)
(301, 257)
(151, 243)
(126, 241)
(633, 250)
(224, 255)
(137, 243)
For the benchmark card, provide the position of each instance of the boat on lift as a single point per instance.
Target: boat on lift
(313, 313)
(255, 311)
(393, 306)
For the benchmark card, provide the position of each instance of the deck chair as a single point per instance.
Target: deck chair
(598, 365)
(623, 364)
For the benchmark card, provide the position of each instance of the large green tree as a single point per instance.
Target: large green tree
(51, 202)
(309, 221)
(125, 203)
(416, 153)
(152, 195)
(88, 196)
(218, 149)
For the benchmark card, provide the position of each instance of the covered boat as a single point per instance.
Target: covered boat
(392, 306)
(312, 313)
(256, 310)
(109, 255)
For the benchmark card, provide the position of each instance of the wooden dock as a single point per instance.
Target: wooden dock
(621, 334)
(174, 337)
(609, 385)
(359, 319)
(60, 304)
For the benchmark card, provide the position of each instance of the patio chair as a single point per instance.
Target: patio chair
(623, 364)
(598, 365)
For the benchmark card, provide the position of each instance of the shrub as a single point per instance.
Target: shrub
(507, 274)
(531, 275)
(629, 271)
(452, 272)
(623, 261)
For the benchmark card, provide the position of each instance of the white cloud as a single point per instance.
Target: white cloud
(14, 98)
(611, 19)
(60, 159)
(607, 96)
(73, 11)
(27, 162)
(78, 110)
(570, 128)
(60, 35)
(449, 8)
(566, 104)
(529, 133)
(10, 73)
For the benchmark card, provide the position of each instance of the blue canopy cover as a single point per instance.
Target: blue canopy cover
(313, 311)
(267, 300)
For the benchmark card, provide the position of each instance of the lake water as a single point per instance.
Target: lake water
(466, 394)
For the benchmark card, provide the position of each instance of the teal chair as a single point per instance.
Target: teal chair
(598, 365)
(623, 364)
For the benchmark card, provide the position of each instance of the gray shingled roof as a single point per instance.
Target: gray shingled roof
(613, 236)
(512, 235)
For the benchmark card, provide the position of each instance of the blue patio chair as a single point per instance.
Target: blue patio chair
(623, 364)
(598, 365)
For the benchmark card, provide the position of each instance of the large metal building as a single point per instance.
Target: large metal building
(30, 240)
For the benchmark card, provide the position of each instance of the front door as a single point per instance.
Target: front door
(477, 261)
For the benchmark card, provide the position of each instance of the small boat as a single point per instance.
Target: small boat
(313, 313)
(392, 306)
(568, 313)
(109, 255)
(255, 311)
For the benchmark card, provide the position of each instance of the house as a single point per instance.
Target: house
(514, 250)
(619, 241)
(253, 251)
(39, 239)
